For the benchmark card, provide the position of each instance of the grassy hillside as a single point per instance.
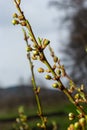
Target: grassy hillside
(60, 118)
(23, 95)
(55, 107)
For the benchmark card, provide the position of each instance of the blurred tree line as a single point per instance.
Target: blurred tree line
(74, 20)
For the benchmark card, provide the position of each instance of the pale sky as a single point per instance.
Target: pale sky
(14, 64)
(13, 61)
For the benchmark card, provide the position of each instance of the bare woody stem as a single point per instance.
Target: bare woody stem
(35, 89)
(63, 88)
(40, 112)
(27, 22)
(34, 85)
(45, 61)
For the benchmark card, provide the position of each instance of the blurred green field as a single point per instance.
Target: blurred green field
(60, 119)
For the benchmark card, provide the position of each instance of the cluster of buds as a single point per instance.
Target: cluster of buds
(58, 84)
(28, 48)
(41, 70)
(42, 125)
(71, 116)
(72, 87)
(79, 94)
(37, 48)
(43, 43)
(22, 120)
(79, 125)
(57, 67)
(19, 19)
(48, 77)
(61, 70)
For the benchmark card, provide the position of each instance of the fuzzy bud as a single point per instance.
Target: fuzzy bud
(39, 40)
(47, 77)
(45, 119)
(15, 22)
(24, 118)
(43, 125)
(82, 121)
(77, 96)
(46, 42)
(28, 49)
(55, 85)
(38, 124)
(58, 72)
(40, 70)
(71, 116)
(77, 125)
(55, 59)
(15, 15)
(54, 66)
(35, 45)
(18, 2)
(23, 23)
(21, 128)
(71, 127)
(35, 52)
(17, 120)
(20, 17)
(82, 87)
(38, 90)
(48, 71)
(34, 57)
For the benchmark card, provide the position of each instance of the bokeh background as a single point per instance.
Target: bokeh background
(14, 65)
(64, 23)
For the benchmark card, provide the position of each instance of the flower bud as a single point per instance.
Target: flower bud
(77, 126)
(58, 72)
(17, 120)
(38, 90)
(47, 77)
(71, 116)
(38, 124)
(39, 40)
(54, 66)
(15, 15)
(43, 125)
(46, 42)
(71, 127)
(21, 128)
(55, 85)
(48, 71)
(45, 119)
(35, 45)
(55, 59)
(23, 23)
(20, 17)
(28, 49)
(18, 2)
(82, 121)
(24, 118)
(77, 96)
(40, 70)
(14, 22)
(82, 87)
(35, 52)
(34, 57)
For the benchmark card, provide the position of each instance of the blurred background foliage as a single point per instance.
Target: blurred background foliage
(74, 52)
(74, 56)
